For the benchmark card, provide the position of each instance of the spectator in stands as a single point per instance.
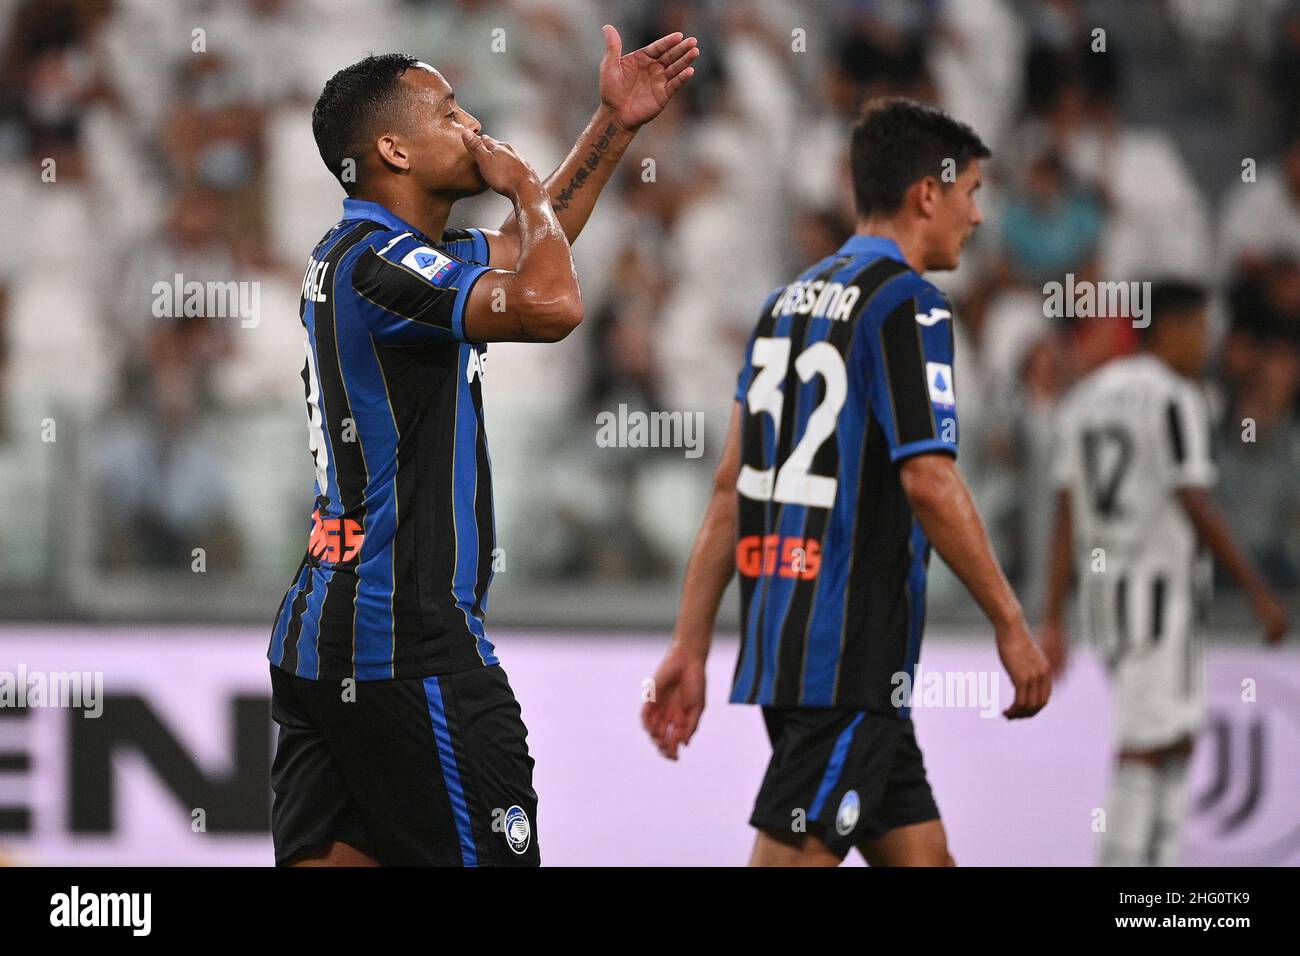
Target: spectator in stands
(1261, 216)
(162, 489)
(1051, 226)
(1259, 457)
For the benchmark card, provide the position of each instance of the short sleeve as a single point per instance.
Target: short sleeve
(913, 394)
(1185, 424)
(467, 244)
(415, 293)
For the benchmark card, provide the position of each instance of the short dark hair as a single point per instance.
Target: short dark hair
(898, 141)
(356, 102)
(1172, 297)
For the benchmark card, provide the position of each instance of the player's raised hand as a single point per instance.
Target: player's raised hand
(1028, 669)
(637, 86)
(674, 713)
(503, 169)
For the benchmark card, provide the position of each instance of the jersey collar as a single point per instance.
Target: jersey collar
(365, 209)
(872, 246)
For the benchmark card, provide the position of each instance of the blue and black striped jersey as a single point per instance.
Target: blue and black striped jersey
(848, 372)
(394, 582)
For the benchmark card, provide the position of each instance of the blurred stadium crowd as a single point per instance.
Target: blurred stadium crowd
(145, 139)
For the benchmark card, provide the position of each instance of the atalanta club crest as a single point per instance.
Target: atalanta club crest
(518, 831)
(846, 817)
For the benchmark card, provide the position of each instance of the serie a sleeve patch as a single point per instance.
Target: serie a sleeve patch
(939, 377)
(429, 263)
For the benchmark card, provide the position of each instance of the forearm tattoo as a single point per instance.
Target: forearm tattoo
(583, 173)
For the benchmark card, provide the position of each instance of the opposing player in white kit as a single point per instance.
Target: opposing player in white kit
(1135, 518)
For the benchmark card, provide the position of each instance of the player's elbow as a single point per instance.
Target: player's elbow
(550, 318)
(927, 481)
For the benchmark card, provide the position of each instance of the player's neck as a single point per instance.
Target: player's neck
(425, 211)
(908, 243)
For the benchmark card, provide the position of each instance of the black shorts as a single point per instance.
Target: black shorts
(430, 771)
(842, 775)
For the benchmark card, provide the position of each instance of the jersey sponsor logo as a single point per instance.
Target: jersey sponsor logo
(431, 264)
(772, 554)
(939, 377)
(335, 539)
(933, 317)
(518, 831)
(846, 817)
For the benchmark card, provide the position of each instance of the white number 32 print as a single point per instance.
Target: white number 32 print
(792, 483)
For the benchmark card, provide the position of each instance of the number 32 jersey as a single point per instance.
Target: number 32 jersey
(848, 372)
